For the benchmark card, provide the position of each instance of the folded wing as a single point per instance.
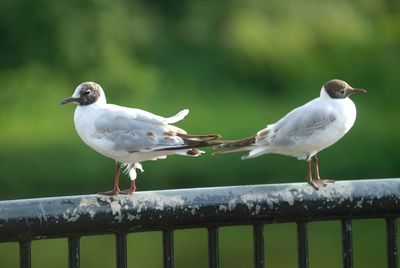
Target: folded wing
(300, 124)
(145, 132)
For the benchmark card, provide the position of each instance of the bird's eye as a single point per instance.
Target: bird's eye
(342, 91)
(87, 92)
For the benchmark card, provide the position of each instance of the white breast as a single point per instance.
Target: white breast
(345, 114)
(84, 119)
(346, 111)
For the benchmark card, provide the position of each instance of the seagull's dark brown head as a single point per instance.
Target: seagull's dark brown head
(339, 89)
(85, 94)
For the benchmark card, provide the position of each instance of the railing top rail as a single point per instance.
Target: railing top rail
(52, 217)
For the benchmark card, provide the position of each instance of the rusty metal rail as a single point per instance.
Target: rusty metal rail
(75, 216)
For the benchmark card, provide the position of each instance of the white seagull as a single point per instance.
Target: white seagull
(306, 130)
(128, 135)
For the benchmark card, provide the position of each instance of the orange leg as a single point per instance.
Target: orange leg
(116, 189)
(317, 183)
(132, 175)
(131, 189)
(309, 175)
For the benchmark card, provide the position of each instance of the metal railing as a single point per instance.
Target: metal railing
(75, 216)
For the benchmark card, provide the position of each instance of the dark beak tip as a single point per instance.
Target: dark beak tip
(67, 100)
(359, 91)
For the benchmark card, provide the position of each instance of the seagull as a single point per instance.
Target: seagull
(306, 130)
(130, 136)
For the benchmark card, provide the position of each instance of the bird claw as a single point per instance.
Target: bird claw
(113, 192)
(328, 181)
(131, 189)
(318, 183)
(127, 191)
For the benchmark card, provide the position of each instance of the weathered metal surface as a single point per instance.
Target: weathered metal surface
(30, 219)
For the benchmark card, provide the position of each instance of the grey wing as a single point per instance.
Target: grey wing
(150, 117)
(302, 124)
(135, 135)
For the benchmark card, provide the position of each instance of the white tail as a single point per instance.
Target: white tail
(178, 117)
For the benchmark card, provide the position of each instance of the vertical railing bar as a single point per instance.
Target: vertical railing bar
(391, 248)
(302, 244)
(258, 239)
(74, 252)
(121, 250)
(168, 248)
(213, 247)
(347, 243)
(25, 254)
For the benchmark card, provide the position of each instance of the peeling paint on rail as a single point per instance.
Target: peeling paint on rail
(154, 210)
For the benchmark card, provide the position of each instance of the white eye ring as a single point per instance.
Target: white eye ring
(341, 91)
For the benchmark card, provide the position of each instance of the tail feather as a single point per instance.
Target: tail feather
(255, 152)
(178, 117)
(195, 141)
(189, 152)
(235, 146)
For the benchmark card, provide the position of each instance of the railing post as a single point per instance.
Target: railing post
(391, 248)
(302, 244)
(347, 243)
(168, 248)
(74, 252)
(25, 254)
(213, 247)
(121, 250)
(258, 240)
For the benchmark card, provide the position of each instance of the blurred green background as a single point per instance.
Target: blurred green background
(238, 65)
